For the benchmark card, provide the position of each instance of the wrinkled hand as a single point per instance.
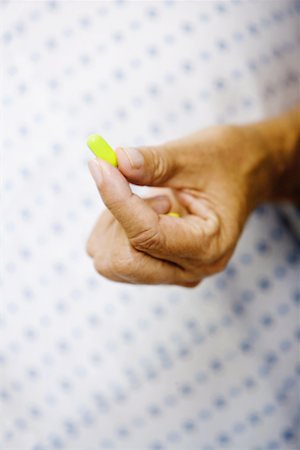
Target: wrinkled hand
(213, 178)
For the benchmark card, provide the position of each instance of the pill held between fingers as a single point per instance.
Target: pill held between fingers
(102, 149)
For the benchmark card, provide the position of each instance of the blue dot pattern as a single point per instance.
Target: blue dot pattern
(89, 364)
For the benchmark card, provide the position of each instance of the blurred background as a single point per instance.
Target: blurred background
(90, 364)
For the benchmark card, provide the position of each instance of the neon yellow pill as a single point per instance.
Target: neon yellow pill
(173, 214)
(102, 149)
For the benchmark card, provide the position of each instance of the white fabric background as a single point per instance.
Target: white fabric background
(89, 364)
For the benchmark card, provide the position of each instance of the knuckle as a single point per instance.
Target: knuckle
(159, 163)
(148, 239)
(119, 264)
(220, 266)
(90, 248)
(114, 205)
(207, 252)
(160, 166)
(209, 246)
(122, 264)
(213, 226)
(102, 267)
(190, 284)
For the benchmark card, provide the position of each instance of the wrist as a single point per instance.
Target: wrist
(274, 176)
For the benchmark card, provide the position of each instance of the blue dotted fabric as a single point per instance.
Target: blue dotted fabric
(88, 364)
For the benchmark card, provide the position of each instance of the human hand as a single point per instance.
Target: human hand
(216, 177)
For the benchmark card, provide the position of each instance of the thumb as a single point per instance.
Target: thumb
(151, 166)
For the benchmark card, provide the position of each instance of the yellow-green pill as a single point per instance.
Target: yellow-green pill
(102, 149)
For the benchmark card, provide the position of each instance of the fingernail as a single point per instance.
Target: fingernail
(185, 196)
(134, 156)
(96, 171)
(161, 204)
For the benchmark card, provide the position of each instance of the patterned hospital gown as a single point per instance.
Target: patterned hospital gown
(88, 364)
